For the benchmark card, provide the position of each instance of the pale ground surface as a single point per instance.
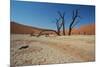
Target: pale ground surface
(52, 50)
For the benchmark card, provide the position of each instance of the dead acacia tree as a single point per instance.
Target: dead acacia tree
(75, 16)
(32, 33)
(42, 31)
(58, 25)
(62, 16)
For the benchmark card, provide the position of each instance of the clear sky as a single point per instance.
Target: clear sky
(43, 15)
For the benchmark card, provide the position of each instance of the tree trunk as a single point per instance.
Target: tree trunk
(58, 33)
(63, 28)
(70, 29)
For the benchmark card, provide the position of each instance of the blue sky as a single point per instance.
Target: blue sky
(43, 15)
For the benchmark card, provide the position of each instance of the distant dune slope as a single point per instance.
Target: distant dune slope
(17, 28)
(85, 30)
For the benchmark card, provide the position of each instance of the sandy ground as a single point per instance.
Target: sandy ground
(52, 50)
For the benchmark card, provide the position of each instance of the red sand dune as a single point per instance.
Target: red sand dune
(24, 29)
(85, 30)
(17, 28)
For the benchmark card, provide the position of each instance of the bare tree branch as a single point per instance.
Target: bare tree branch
(62, 16)
(76, 22)
(41, 32)
(75, 15)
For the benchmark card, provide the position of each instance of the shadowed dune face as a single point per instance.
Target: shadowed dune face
(22, 29)
(17, 28)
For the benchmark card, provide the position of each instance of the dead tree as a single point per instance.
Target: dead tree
(41, 32)
(58, 25)
(75, 16)
(32, 34)
(47, 34)
(62, 16)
